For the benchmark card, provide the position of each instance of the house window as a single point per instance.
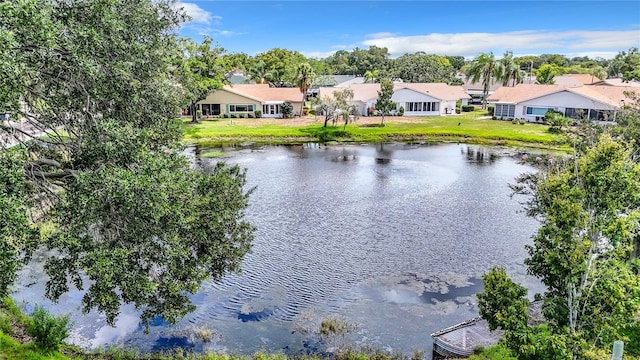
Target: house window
(271, 109)
(241, 108)
(422, 106)
(537, 110)
(504, 110)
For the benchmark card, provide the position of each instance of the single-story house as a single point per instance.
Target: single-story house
(417, 99)
(241, 99)
(476, 89)
(532, 101)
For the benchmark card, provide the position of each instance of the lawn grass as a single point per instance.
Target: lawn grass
(468, 127)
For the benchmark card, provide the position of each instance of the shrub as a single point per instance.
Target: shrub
(287, 110)
(458, 104)
(312, 111)
(240, 116)
(490, 109)
(250, 115)
(258, 113)
(305, 110)
(48, 331)
(199, 114)
(467, 108)
(233, 116)
(225, 116)
(401, 111)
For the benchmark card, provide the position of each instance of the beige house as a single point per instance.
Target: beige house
(244, 99)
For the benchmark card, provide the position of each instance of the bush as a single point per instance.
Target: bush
(250, 115)
(225, 116)
(490, 109)
(287, 110)
(233, 116)
(305, 110)
(240, 116)
(48, 331)
(401, 111)
(458, 104)
(258, 113)
(467, 108)
(312, 111)
(199, 114)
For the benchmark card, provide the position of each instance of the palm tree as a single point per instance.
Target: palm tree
(258, 72)
(304, 78)
(510, 70)
(371, 76)
(484, 67)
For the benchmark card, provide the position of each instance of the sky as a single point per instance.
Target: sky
(320, 28)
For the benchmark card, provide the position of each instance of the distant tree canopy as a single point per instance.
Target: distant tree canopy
(125, 217)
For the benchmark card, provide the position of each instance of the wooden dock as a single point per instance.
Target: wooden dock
(462, 339)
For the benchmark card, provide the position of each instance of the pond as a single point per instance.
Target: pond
(391, 239)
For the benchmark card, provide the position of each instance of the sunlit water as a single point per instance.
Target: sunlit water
(392, 238)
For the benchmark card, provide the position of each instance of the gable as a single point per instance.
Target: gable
(223, 96)
(566, 98)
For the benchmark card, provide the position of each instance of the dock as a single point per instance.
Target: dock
(462, 339)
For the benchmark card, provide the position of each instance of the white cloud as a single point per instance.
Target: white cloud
(381, 35)
(197, 14)
(471, 44)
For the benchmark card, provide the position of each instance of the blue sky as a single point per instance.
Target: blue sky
(467, 28)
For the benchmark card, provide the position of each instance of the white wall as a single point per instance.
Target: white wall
(559, 102)
(402, 96)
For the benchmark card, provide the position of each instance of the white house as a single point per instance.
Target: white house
(417, 99)
(532, 101)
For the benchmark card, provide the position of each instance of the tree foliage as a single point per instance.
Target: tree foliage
(583, 252)
(546, 74)
(132, 222)
(484, 67)
(423, 68)
(384, 104)
(201, 69)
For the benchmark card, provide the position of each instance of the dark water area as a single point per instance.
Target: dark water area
(391, 238)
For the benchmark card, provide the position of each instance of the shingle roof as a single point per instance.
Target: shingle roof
(584, 78)
(262, 92)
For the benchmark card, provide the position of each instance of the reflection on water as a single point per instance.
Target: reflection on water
(392, 237)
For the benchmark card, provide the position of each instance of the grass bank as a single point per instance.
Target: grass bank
(469, 128)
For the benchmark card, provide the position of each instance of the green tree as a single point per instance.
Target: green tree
(484, 67)
(510, 70)
(626, 65)
(304, 78)
(257, 72)
(280, 65)
(422, 68)
(546, 74)
(384, 104)
(201, 70)
(583, 251)
(131, 221)
(503, 303)
(371, 76)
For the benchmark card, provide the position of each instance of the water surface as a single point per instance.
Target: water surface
(392, 238)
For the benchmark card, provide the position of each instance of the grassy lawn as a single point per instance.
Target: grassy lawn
(468, 127)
